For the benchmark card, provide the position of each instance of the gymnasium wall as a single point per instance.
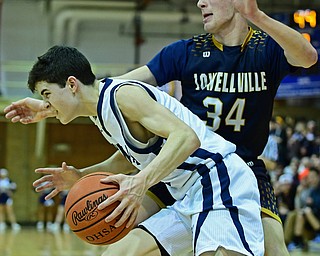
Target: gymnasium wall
(79, 144)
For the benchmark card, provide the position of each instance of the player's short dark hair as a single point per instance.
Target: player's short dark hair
(57, 64)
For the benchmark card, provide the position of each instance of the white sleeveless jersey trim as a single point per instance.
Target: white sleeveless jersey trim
(113, 127)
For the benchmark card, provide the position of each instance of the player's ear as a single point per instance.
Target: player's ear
(72, 83)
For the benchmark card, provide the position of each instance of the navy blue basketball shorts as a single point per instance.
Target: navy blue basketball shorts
(267, 196)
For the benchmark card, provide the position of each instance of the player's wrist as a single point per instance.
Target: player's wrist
(257, 17)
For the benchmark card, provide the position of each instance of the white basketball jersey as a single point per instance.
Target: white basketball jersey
(112, 125)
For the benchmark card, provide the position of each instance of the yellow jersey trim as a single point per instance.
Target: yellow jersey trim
(156, 199)
(243, 45)
(271, 214)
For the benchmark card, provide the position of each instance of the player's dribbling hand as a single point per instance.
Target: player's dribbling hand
(58, 179)
(130, 195)
(29, 110)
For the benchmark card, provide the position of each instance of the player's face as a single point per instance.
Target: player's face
(216, 14)
(62, 100)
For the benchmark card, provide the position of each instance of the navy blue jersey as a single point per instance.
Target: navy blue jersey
(231, 89)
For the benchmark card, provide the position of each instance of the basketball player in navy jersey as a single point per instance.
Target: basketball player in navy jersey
(229, 79)
(217, 207)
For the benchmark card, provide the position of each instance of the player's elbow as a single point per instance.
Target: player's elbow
(311, 57)
(197, 142)
(305, 60)
(193, 139)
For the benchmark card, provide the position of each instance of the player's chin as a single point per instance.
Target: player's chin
(207, 28)
(64, 120)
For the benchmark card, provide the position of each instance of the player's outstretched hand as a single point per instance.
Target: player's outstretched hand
(29, 110)
(247, 8)
(131, 193)
(58, 179)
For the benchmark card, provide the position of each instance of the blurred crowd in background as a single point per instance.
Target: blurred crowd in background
(292, 156)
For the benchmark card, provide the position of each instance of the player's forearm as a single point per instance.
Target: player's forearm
(142, 74)
(117, 163)
(298, 50)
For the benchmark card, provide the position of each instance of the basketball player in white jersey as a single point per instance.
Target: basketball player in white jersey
(217, 207)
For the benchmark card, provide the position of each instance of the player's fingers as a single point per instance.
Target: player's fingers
(42, 180)
(52, 194)
(110, 179)
(16, 119)
(25, 120)
(65, 167)
(124, 216)
(132, 218)
(48, 170)
(37, 185)
(43, 186)
(111, 216)
(10, 113)
(129, 213)
(41, 170)
(115, 213)
(7, 109)
(110, 200)
(11, 109)
(39, 188)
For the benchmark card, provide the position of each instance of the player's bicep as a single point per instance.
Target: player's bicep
(136, 105)
(161, 121)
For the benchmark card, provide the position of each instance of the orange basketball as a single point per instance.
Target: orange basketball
(82, 215)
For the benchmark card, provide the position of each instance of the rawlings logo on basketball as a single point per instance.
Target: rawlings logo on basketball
(89, 212)
(83, 216)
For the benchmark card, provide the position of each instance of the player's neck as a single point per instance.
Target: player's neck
(89, 99)
(234, 33)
